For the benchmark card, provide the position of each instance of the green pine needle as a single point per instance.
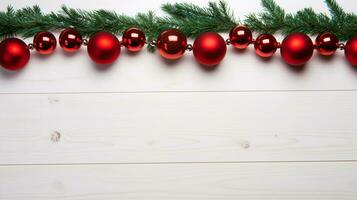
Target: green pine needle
(191, 19)
(273, 19)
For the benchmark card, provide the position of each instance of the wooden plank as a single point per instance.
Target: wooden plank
(177, 127)
(251, 181)
(145, 72)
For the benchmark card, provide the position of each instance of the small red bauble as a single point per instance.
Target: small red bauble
(44, 43)
(326, 44)
(103, 48)
(209, 49)
(14, 54)
(265, 45)
(171, 44)
(133, 39)
(296, 49)
(351, 51)
(70, 40)
(240, 37)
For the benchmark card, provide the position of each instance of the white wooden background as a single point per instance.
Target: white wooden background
(149, 129)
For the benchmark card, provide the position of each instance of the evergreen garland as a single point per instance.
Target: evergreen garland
(191, 19)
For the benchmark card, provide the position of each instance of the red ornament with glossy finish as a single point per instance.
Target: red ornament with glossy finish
(103, 48)
(45, 43)
(70, 40)
(297, 49)
(133, 39)
(326, 44)
(240, 37)
(171, 44)
(265, 45)
(14, 54)
(351, 51)
(209, 49)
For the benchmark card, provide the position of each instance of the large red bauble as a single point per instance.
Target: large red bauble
(240, 37)
(351, 51)
(326, 44)
(296, 49)
(133, 39)
(44, 43)
(14, 54)
(209, 49)
(70, 40)
(171, 44)
(265, 45)
(103, 48)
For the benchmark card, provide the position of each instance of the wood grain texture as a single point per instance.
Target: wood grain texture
(272, 181)
(178, 127)
(147, 72)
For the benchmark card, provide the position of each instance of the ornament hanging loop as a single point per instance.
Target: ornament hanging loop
(30, 46)
(228, 41)
(85, 42)
(189, 47)
(341, 46)
(153, 43)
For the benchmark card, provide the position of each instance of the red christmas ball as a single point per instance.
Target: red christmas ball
(326, 44)
(209, 49)
(296, 49)
(14, 54)
(44, 43)
(70, 40)
(171, 44)
(103, 48)
(351, 51)
(265, 45)
(133, 39)
(240, 37)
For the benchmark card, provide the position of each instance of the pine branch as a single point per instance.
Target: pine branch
(193, 20)
(336, 11)
(307, 21)
(25, 22)
(345, 23)
(273, 19)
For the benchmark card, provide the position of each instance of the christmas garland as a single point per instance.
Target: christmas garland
(169, 34)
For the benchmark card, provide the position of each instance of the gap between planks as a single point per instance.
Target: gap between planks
(181, 91)
(180, 163)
